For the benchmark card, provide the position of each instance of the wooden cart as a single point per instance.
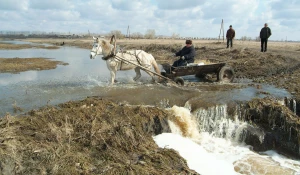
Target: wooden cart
(224, 72)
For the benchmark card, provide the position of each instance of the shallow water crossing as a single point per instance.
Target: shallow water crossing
(84, 77)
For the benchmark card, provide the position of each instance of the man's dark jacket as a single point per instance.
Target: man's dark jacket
(265, 32)
(230, 34)
(188, 53)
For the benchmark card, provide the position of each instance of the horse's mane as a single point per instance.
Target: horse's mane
(106, 48)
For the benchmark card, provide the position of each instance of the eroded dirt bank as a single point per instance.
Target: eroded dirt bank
(93, 136)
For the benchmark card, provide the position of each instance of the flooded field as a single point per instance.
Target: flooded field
(83, 77)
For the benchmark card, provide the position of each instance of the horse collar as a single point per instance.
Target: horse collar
(108, 56)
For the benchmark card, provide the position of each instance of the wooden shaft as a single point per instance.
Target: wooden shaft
(143, 68)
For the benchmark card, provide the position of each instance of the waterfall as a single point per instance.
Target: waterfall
(215, 120)
(209, 137)
(291, 104)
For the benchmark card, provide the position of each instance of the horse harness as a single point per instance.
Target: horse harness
(113, 55)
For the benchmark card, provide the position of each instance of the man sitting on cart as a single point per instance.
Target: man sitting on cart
(186, 54)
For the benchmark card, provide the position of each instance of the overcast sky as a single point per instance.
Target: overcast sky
(194, 18)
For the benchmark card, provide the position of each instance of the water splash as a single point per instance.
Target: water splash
(218, 143)
(183, 123)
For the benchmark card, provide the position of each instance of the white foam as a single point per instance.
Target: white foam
(197, 157)
(209, 155)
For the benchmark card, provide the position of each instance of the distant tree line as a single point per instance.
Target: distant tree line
(149, 34)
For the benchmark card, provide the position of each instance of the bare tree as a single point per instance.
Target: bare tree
(136, 35)
(257, 38)
(150, 34)
(118, 34)
(245, 38)
(175, 35)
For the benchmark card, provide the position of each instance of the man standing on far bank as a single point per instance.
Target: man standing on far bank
(230, 35)
(265, 33)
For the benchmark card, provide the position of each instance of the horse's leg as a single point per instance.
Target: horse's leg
(150, 73)
(112, 76)
(152, 76)
(112, 67)
(138, 73)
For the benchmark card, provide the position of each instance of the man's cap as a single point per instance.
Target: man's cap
(188, 42)
(230, 26)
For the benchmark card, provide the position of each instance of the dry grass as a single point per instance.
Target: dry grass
(16, 65)
(92, 136)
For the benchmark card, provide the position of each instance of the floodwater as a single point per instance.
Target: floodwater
(85, 77)
(90, 77)
(32, 89)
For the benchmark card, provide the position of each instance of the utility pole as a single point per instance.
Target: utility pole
(221, 29)
(128, 32)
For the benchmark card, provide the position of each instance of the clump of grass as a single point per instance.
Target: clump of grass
(16, 65)
(93, 136)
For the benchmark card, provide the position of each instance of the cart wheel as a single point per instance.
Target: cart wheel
(226, 74)
(179, 80)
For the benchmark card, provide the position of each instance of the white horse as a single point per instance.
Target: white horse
(132, 59)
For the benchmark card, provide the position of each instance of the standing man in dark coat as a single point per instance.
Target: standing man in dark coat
(265, 33)
(230, 35)
(186, 54)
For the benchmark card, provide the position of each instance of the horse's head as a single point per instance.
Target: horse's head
(97, 49)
